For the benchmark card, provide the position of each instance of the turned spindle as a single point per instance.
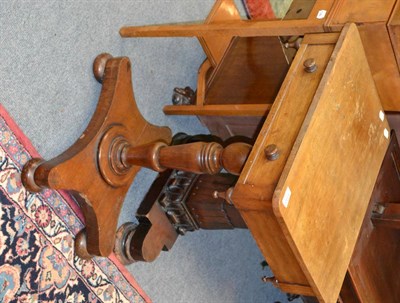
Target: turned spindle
(198, 157)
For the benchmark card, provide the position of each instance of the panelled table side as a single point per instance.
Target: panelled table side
(377, 21)
(321, 193)
(254, 190)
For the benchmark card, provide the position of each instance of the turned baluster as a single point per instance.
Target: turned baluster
(198, 157)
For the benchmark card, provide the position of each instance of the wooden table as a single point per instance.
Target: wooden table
(305, 187)
(306, 208)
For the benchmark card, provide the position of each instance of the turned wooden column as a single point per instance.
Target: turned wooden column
(197, 157)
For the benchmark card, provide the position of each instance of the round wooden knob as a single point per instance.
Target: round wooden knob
(81, 246)
(28, 175)
(310, 65)
(272, 152)
(99, 66)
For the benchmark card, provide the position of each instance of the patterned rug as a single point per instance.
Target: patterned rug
(267, 9)
(37, 260)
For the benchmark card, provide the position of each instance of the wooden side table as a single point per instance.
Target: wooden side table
(305, 209)
(377, 22)
(304, 188)
(299, 189)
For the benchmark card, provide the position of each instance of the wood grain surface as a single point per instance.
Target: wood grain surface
(254, 190)
(323, 194)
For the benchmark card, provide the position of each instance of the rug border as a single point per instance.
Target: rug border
(34, 153)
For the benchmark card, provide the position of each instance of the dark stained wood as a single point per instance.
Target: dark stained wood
(154, 233)
(388, 220)
(99, 65)
(251, 72)
(229, 126)
(348, 293)
(116, 144)
(234, 156)
(177, 202)
(211, 212)
(142, 156)
(306, 299)
(394, 122)
(394, 31)
(28, 175)
(197, 157)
